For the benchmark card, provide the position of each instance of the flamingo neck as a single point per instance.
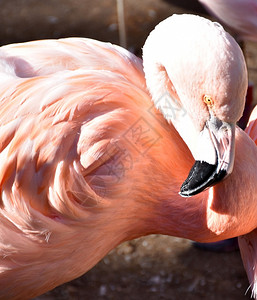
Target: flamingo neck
(158, 82)
(234, 198)
(219, 212)
(166, 79)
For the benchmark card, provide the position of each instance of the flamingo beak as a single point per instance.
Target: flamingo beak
(215, 157)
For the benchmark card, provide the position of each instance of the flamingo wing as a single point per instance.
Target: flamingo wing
(62, 102)
(39, 58)
(62, 119)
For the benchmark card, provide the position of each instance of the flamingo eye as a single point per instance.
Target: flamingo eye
(208, 100)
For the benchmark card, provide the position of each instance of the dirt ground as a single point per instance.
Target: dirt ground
(153, 267)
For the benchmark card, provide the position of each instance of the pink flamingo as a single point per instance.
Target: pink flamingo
(88, 162)
(240, 15)
(248, 242)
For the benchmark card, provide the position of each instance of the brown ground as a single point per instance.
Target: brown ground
(154, 267)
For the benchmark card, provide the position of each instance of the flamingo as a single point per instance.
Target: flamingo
(240, 15)
(248, 242)
(90, 158)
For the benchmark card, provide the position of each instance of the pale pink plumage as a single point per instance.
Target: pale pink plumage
(87, 162)
(240, 15)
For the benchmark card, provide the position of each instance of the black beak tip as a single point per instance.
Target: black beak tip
(201, 176)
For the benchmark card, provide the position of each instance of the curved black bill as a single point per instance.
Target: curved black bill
(201, 176)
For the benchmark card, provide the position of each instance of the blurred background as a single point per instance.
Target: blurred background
(153, 267)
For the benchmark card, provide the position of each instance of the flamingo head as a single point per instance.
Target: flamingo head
(196, 74)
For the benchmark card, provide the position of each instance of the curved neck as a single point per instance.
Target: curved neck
(166, 82)
(235, 197)
(158, 82)
(226, 210)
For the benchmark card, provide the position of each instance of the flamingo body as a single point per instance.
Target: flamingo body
(248, 242)
(87, 162)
